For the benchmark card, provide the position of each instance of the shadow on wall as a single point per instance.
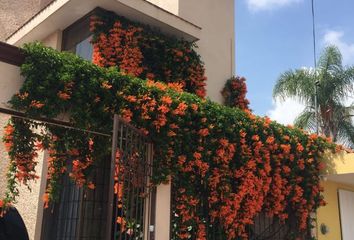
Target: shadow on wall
(338, 163)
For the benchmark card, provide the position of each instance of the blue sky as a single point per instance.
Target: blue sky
(273, 36)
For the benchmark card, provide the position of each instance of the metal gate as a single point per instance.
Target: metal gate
(271, 228)
(132, 203)
(121, 205)
(264, 227)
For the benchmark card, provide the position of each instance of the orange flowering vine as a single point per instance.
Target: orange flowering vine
(234, 93)
(140, 52)
(226, 165)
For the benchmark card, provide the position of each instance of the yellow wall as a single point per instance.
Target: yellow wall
(340, 163)
(329, 214)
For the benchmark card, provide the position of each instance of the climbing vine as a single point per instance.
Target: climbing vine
(233, 166)
(142, 52)
(234, 93)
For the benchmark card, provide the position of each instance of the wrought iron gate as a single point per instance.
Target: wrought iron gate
(121, 205)
(264, 227)
(131, 166)
(271, 228)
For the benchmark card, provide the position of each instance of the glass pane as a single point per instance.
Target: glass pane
(84, 49)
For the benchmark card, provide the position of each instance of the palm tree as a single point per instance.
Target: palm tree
(335, 88)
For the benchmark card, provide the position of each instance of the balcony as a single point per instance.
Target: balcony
(62, 13)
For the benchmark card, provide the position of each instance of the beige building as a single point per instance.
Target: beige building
(210, 25)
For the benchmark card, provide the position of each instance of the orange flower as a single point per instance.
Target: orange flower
(106, 85)
(39, 146)
(36, 104)
(286, 148)
(286, 169)
(179, 53)
(255, 138)
(270, 140)
(46, 200)
(180, 110)
(131, 98)
(299, 148)
(171, 133)
(197, 155)
(243, 134)
(120, 220)
(166, 99)
(194, 106)
(90, 143)
(224, 142)
(63, 95)
(203, 132)
(91, 185)
(313, 136)
(164, 109)
(127, 115)
(9, 129)
(181, 159)
(178, 87)
(301, 164)
(151, 83)
(174, 126)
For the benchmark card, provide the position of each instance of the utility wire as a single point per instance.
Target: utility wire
(314, 33)
(315, 64)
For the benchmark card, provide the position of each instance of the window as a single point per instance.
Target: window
(84, 49)
(77, 37)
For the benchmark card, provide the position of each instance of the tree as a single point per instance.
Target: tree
(335, 88)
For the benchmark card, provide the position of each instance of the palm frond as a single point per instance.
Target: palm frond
(306, 120)
(330, 59)
(298, 83)
(346, 133)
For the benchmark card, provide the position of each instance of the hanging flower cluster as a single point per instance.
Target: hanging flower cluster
(234, 93)
(141, 52)
(23, 141)
(226, 164)
(23, 146)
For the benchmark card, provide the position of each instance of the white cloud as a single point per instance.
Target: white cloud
(286, 111)
(336, 38)
(259, 5)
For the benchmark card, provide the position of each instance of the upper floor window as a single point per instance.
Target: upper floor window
(84, 49)
(77, 38)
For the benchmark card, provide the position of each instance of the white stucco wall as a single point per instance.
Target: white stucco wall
(10, 81)
(30, 203)
(168, 5)
(216, 44)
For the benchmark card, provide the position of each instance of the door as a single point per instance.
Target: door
(346, 208)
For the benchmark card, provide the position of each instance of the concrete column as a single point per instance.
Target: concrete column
(163, 212)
